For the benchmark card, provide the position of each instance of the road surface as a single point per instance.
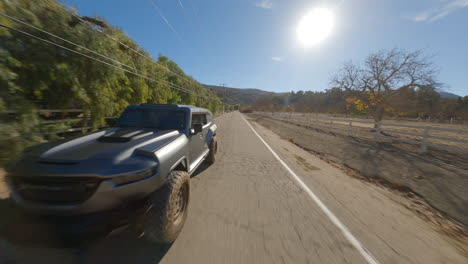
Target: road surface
(275, 204)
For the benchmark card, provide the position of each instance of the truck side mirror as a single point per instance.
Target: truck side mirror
(197, 128)
(111, 121)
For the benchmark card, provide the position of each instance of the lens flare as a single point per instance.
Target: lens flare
(315, 26)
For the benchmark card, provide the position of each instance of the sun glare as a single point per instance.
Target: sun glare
(315, 26)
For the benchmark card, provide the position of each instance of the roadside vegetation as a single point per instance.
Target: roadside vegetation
(37, 75)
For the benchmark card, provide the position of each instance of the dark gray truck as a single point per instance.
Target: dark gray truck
(137, 173)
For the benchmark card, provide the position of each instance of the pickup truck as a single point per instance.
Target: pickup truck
(140, 167)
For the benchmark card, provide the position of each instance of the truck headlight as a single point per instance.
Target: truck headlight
(133, 177)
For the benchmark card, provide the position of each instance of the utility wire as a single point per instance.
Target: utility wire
(55, 36)
(92, 51)
(98, 60)
(126, 46)
(164, 18)
(121, 43)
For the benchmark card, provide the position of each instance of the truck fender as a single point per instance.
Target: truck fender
(172, 155)
(210, 134)
(180, 165)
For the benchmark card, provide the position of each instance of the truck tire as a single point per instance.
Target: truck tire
(167, 210)
(211, 158)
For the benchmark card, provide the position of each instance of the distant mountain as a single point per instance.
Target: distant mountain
(241, 96)
(247, 96)
(447, 95)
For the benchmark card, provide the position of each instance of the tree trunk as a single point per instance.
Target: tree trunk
(378, 115)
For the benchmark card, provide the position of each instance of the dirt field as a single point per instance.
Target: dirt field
(439, 177)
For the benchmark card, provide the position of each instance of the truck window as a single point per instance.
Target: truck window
(199, 118)
(152, 118)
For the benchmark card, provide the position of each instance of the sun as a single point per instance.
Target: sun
(315, 26)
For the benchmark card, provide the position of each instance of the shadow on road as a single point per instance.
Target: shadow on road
(23, 240)
(204, 166)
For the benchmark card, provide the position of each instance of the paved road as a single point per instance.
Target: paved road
(250, 207)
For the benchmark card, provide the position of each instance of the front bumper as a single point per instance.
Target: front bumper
(97, 224)
(66, 231)
(107, 196)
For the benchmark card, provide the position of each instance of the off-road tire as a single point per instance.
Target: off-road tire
(164, 218)
(211, 158)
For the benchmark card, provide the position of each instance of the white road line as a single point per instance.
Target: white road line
(351, 238)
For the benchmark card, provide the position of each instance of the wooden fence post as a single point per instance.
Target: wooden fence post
(378, 129)
(85, 121)
(424, 139)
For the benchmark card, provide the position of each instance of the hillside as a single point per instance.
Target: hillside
(248, 96)
(240, 96)
(448, 95)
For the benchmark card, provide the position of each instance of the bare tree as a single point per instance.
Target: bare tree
(383, 75)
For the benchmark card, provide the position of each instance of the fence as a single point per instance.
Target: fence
(80, 118)
(425, 136)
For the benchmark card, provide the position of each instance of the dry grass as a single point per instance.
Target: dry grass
(412, 200)
(361, 125)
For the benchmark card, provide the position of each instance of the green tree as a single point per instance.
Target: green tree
(35, 74)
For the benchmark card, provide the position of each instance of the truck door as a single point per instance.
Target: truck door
(197, 141)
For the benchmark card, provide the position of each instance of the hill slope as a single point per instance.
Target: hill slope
(240, 96)
(448, 95)
(247, 96)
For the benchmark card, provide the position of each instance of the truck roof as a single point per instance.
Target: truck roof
(151, 105)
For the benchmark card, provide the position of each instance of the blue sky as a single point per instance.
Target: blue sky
(253, 43)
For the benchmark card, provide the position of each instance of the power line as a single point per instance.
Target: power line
(126, 46)
(97, 53)
(80, 46)
(70, 42)
(164, 18)
(121, 43)
(99, 30)
(98, 60)
(223, 91)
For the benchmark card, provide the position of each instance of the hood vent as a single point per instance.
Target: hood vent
(57, 162)
(125, 135)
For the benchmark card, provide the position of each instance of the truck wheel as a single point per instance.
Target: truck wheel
(213, 150)
(167, 210)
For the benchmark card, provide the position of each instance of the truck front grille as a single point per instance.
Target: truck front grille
(61, 190)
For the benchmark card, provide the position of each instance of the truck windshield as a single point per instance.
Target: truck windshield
(157, 118)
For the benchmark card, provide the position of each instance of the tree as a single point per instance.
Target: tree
(427, 101)
(42, 75)
(35, 74)
(383, 75)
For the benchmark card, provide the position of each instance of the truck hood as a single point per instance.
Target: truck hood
(114, 144)
(103, 153)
